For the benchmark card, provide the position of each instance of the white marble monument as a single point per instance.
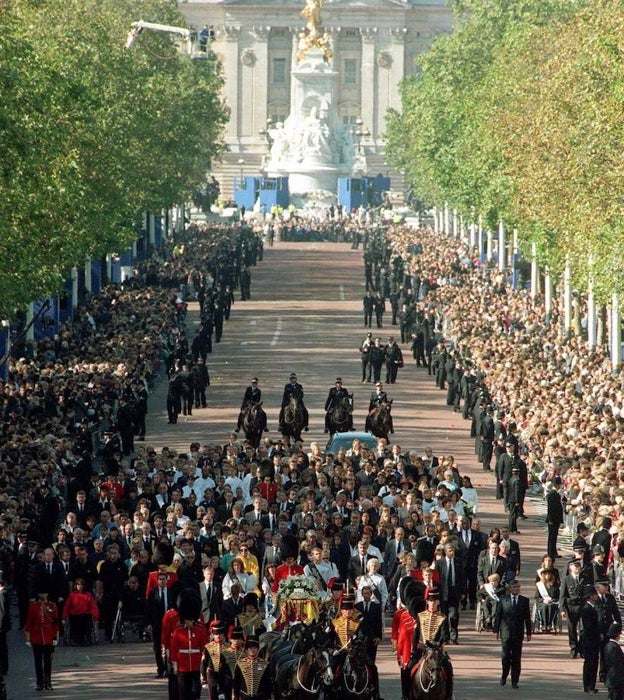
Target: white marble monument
(312, 147)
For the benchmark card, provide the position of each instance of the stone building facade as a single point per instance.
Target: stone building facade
(375, 44)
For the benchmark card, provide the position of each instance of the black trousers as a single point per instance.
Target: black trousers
(189, 686)
(43, 662)
(553, 532)
(4, 654)
(590, 667)
(512, 658)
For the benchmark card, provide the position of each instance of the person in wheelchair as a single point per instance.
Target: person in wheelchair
(489, 596)
(82, 612)
(547, 601)
(132, 606)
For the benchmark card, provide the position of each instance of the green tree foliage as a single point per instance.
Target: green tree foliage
(92, 133)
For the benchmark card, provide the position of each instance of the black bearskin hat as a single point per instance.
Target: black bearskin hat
(413, 595)
(289, 547)
(163, 554)
(189, 604)
(266, 468)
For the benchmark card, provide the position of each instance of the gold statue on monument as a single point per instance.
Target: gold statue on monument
(313, 37)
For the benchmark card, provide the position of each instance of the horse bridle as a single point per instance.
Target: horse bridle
(321, 670)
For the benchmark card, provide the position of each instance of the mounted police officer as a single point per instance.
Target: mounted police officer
(252, 395)
(293, 390)
(336, 394)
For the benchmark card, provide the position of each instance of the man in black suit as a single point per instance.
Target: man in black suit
(232, 608)
(425, 545)
(512, 621)
(357, 563)
(513, 550)
(591, 640)
(159, 601)
(570, 602)
(614, 659)
(554, 516)
(211, 596)
(371, 624)
(490, 563)
(393, 548)
(471, 544)
(49, 574)
(451, 585)
(224, 511)
(602, 536)
(608, 613)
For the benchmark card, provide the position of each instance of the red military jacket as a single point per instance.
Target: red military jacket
(171, 619)
(403, 626)
(42, 623)
(284, 571)
(187, 646)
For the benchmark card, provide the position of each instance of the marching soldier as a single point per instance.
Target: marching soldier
(213, 661)
(251, 680)
(231, 656)
(187, 646)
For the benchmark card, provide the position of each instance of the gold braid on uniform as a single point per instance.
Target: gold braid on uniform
(252, 672)
(345, 629)
(430, 623)
(231, 659)
(249, 622)
(214, 649)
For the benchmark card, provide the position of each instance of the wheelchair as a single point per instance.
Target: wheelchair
(483, 621)
(543, 626)
(80, 630)
(129, 628)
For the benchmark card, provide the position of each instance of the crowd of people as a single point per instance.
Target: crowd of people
(140, 525)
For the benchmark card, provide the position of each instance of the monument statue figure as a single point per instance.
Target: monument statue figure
(313, 37)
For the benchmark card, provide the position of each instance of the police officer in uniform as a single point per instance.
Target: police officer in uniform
(253, 394)
(378, 397)
(336, 394)
(293, 390)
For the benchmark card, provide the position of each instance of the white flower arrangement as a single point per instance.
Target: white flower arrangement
(297, 588)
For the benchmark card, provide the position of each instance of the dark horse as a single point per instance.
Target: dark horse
(293, 420)
(254, 423)
(358, 678)
(340, 418)
(303, 676)
(380, 420)
(432, 677)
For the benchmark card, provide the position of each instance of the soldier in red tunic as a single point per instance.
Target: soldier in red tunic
(187, 645)
(170, 622)
(41, 631)
(289, 553)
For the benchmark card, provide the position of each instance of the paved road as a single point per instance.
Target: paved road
(305, 316)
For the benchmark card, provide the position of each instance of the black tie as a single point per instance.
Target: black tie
(363, 565)
(209, 593)
(513, 602)
(50, 569)
(366, 607)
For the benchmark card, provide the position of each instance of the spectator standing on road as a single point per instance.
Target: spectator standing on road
(365, 349)
(554, 516)
(394, 360)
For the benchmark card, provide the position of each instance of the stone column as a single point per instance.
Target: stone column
(616, 332)
(534, 272)
(230, 36)
(368, 79)
(591, 309)
(567, 298)
(501, 247)
(87, 274)
(257, 108)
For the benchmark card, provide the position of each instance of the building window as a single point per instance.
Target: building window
(279, 71)
(349, 71)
